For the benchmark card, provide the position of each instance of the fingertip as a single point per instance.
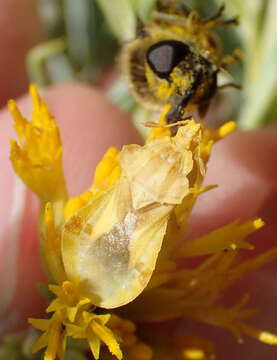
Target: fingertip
(243, 167)
(89, 125)
(20, 30)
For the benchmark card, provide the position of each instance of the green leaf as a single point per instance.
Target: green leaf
(261, 74)
(37, 56)
(121, 17)
(257, 30)
(77, 17)
(120, 95)
(143, 8)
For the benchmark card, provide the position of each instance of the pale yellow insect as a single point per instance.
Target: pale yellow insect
(112, 244)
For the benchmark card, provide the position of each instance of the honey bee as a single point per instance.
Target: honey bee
(175, 60)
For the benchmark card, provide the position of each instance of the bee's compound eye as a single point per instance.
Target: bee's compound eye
(163, 56)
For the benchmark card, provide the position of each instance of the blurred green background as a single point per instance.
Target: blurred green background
(85, 37)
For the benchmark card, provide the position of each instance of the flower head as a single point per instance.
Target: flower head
(37, 159)
(113, 252)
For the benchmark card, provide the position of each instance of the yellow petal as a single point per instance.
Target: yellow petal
(224, 130)
(62, 347)
(107, 171)
(268, 338)
(94, 344)
(53, 341)
(55, 305)
(108, 338)
(71, 313)
(76, 203)
(230, 236)
(41, 324)
(41, 343)
(75, 331)
(57, 290)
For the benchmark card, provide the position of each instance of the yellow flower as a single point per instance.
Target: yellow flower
(73, 317)
(37, 159)
(116, 246)
(92, 327)
(53, 338)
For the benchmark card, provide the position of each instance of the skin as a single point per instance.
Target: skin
(244, 166)
(20, 30)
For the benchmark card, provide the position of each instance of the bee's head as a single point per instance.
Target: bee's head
(164, 56)
(163, 73)
(177, 74)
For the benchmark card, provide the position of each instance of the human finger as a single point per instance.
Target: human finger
(243, 166)
(20, 30)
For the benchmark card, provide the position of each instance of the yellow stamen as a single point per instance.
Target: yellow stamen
(194, 354)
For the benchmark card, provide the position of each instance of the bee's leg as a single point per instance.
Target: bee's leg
(172, 7)
(223, 23)
(231, 59)
(178, 110)
(175, 113)
(214, 22)
(140, 31)
(179, 103)
(218, 14)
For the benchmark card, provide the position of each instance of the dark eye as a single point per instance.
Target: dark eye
(163, 56)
